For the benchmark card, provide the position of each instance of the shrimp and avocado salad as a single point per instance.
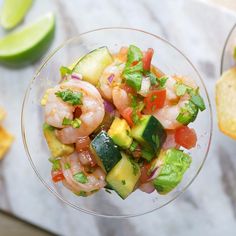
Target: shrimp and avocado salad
(117, 122)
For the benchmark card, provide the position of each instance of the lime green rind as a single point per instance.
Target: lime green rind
(13, 12)
(28, 43)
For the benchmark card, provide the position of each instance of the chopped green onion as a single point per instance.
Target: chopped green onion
(197, 100)
(181, 89)
(135, 168)
(66, 121)
(123, 182)
(188, 113)
(81, 178)
(74, 123)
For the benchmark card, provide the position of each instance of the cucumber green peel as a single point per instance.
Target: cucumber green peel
(13, 12)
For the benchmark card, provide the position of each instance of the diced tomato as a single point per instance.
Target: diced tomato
(186, 137)
(57, 175)
(144, 173)
(128, 89)
(147, 57)
(127, 114)
(134, 63)
(155, 100)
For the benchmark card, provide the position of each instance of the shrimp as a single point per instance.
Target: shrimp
(120, 98)
(170, 89)
(56, 110)
(168, 114)
(170, 86)
(92, 111)
(111, 77)
(95, 180)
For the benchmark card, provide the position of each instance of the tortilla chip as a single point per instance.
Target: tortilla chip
(6, 140)
(226, 102)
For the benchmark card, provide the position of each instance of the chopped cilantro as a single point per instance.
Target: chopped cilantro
(73, 98)
(134, 54)
(134, 102)
(162, 81)
(135, 166)
(55, 163)
(153, 79)
(82, 194)
(133, 146)
(80, 177)
(135, 117)
(153, 97)
(123, 182)
(67, 166)
(134, 80)
(133, 69)
(133, 72)
(195, 97)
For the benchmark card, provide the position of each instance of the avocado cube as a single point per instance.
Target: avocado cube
(56, 148)
(119, 132)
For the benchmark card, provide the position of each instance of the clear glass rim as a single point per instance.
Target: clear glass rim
(47, 58)
(224, 48)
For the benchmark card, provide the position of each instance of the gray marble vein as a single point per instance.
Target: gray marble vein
(208, 206)
(228, 169)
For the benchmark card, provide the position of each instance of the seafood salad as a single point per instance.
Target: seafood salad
(116, 122)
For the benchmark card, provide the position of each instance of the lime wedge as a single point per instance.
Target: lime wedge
(13, 12)
(28, 43)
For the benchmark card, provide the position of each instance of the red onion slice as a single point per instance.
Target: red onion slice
(75, 76)
(108, 106)
(147, 187)
(110, 78)
(154, 173)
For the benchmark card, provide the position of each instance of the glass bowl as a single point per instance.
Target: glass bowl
(169, 60)
(227, 57)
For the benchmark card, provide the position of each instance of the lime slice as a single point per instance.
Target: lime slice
(28, 43)
(13, 12)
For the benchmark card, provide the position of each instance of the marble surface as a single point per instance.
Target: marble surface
(209, 206)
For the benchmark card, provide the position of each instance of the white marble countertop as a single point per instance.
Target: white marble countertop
(209, 206)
